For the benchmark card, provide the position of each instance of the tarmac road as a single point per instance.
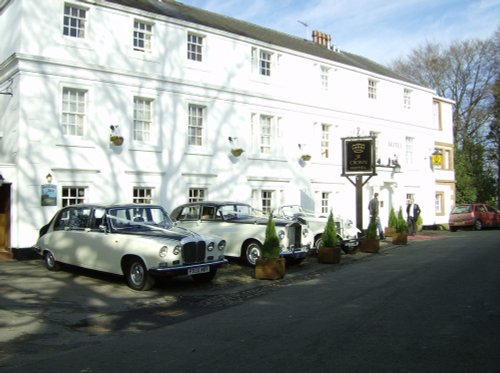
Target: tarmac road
(49, 316)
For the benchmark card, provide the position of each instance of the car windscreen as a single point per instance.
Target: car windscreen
(461, 210)
(138, 218)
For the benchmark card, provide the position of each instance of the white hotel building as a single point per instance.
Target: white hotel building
(177, 83)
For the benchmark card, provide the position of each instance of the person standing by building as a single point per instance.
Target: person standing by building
(413, 212)
(373, 207)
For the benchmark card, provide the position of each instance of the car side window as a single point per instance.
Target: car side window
(73, 218)
(189, 213)
(208, 213)
(98, 219)
(481, 209)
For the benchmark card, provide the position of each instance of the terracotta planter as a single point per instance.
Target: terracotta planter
(389, 232)
(400, 239)
(370, 245)
(270, 269)
(329, 255)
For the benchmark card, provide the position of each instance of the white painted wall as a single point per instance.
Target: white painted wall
(112, 73)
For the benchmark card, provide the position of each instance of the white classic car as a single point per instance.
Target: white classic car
(348, 234)
(244, 229)
(135, 240)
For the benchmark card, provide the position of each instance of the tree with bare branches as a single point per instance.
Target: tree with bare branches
(466, 72)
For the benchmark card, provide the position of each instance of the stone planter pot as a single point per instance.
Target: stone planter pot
(330, 255)
(370, 245)
(400, 239)
(270, 269)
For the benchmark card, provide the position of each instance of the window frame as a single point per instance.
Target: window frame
(195, 52)
(372, 88)
(407, 93)
(143, 35)
(81, 24)
(140, 194)
(79, 117)
(196, 125)
(69, 200)
(197, 194)
(147, 106)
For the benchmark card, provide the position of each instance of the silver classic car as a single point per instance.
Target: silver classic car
(135, 240)
(347, 233)
(244, 229)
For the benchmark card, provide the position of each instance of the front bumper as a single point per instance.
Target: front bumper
(183, 269)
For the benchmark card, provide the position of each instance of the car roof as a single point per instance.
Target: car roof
(216, 203)
(114, 205)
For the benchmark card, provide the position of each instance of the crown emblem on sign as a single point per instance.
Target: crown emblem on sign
(358, 148)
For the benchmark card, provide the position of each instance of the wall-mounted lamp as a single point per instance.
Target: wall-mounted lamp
(391, 163)
(437, 157)
(48, 178)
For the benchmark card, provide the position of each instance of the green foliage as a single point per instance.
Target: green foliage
(402, 226)
(420, 221)
(329, 236)
(271, 248)
(393, 219)
(371, 233)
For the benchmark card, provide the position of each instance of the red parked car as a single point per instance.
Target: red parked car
(474, 215)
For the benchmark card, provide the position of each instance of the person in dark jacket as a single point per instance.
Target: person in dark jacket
(373, 207)
(412, 212)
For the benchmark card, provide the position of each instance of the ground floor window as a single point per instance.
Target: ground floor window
(325, 203)
(72, 195)
(142, 195)
(197, 194)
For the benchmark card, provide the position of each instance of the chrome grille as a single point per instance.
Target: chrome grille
(193, 252)
(295, 235)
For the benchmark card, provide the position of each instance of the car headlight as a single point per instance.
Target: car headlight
(163, 252)
(210, 246)
(222, 245)
(177, 250)
(281, 234)
(305, 232)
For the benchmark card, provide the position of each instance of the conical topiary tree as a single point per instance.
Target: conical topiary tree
(393, 219)
(271, 248)
(329, 236)
(402, 225)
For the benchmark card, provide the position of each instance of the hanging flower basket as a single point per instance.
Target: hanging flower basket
(116, 140)
(306, 157)
(236, 152)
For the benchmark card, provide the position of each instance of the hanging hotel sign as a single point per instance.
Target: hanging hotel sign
(358, 156)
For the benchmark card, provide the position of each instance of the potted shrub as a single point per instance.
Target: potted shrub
(306, 157)
(371, 244)
(329, 250)
(401, 236)
(393, 222)
(116, 140)
(271, 266)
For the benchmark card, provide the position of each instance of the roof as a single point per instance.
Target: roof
(199, 16)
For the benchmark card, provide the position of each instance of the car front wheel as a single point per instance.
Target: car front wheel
(478, 225)
(137, 275)
(50, 261)
(252, 252)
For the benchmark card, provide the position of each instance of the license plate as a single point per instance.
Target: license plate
(197, 270)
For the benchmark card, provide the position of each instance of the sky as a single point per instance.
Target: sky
(381, 30)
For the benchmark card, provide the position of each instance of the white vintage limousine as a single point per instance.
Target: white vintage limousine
(138, 241)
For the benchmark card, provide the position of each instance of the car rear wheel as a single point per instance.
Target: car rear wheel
(205, 277)
(252, 252)
(137, 275)
(478, 225)
(50, 262)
